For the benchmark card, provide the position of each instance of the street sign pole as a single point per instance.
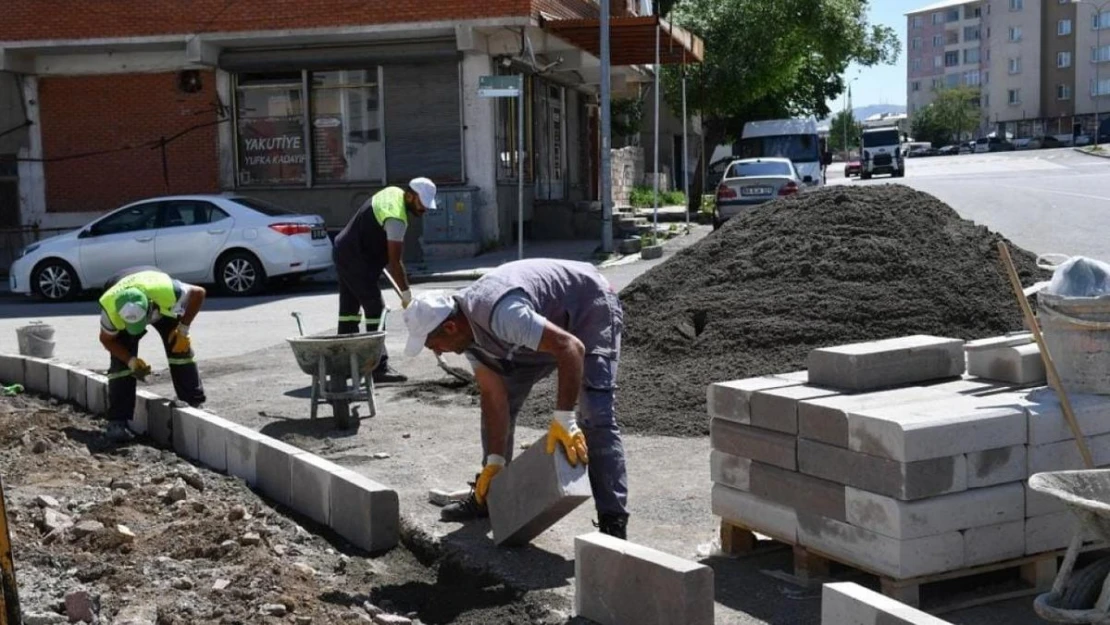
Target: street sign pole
(511, 87)
(520, 173)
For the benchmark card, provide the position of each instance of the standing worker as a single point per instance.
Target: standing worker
(518, 324)
(373, 240)
(133, 299)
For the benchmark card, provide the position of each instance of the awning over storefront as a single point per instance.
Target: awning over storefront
(632, 39)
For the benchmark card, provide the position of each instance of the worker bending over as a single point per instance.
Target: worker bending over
(516, 325)
(135, 298)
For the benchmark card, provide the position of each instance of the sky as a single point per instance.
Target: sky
(884, 84)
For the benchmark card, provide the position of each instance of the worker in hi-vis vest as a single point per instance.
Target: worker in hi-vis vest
(373, 240)
(135, 298)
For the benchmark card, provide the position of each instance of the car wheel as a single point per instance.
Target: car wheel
(240, 273)
(55, 280)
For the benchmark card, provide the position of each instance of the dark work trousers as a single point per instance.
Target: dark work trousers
(183, 370)
(358, 289)
(608, 475)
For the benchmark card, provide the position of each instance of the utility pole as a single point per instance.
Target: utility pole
(606, 136)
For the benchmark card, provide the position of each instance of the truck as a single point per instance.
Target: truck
(796, 139)
(882, 153)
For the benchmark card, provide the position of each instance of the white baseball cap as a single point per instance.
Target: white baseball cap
(424, 314)
(426, 189)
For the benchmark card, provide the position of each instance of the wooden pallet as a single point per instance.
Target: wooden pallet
(811, 566)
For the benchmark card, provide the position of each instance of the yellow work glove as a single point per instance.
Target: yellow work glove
(138, 368)
(178, 339)
(564, 430)
(494, 464)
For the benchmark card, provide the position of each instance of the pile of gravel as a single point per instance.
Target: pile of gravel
(838, 265)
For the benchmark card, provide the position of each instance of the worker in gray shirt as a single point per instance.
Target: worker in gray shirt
(517, 325)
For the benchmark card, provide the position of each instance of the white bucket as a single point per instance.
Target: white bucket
(1077, 333)
(36, 340)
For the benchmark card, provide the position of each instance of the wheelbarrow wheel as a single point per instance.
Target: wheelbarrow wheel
(1083, 589)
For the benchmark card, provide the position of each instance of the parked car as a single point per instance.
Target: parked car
(750, 182)
(852, 168)
(948, 150)
(236, 242)
(992, 144)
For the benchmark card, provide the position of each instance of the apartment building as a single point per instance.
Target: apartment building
(1036, 68)
(946, 49)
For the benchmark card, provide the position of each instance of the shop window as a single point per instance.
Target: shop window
(347, 126)
(270, 128)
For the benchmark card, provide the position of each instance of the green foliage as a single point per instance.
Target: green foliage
(644, 197)
(627, 116)
(953, 114)
(773, 58)
(844, 123)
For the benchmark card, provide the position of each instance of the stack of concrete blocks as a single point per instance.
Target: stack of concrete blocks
(888, 457)
(355, 507)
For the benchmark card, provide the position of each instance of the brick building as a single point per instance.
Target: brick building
(315, 105)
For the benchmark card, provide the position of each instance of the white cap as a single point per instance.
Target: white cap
(423, 316)
(426, 189)
(132, 313)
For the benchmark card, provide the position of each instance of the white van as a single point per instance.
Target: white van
(795, 139)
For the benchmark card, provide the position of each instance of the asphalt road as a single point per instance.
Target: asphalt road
(1046, 201)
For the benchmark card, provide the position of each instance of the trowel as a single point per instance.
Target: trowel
(455, 372)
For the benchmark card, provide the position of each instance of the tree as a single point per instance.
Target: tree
(843, 125)
(771, 58)
(950, 117)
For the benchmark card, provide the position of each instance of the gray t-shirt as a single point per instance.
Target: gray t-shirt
(516, 321)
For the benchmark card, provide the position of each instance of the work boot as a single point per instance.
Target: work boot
(615, 525)
(466, 510)
(385, 374)
(118, 432)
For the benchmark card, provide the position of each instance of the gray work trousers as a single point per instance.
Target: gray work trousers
(608, 476)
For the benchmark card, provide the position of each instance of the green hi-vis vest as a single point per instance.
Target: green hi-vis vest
(157, 286)
(389, 203)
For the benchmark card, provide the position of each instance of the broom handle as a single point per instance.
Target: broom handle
(1049, 366)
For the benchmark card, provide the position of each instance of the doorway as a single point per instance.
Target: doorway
(551, 166)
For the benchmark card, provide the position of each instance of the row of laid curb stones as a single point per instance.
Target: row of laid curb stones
(362, 511)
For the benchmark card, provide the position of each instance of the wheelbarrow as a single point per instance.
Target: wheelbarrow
(1084, 597)
(332, 360)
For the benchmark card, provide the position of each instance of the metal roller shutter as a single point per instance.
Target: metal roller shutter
(338, 57)
(422, 122)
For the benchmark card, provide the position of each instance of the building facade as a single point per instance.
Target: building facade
(1043, 65)
(315, 106)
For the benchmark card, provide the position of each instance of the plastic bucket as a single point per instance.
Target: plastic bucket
(36, 340)
(1077, 333)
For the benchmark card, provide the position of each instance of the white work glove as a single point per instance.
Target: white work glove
(406, 298)
(494, 464)
(564, 430)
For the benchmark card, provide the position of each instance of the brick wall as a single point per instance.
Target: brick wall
(90, 113)
(69, 19)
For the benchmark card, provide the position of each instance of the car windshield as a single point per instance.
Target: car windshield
(880, 138)
(765, 168)
(797, 148)
(262, 206)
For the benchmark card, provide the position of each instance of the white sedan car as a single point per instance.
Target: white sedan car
(236, 242)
